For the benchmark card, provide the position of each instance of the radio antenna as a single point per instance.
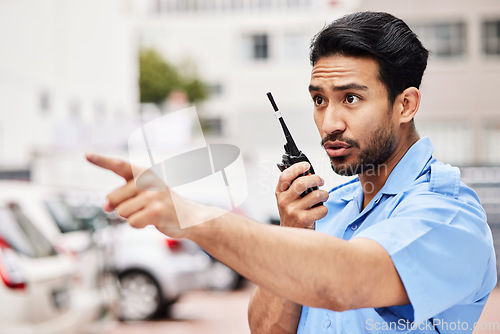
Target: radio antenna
(290, 146)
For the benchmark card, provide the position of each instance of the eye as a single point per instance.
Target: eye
(351, 99)
(318, 100)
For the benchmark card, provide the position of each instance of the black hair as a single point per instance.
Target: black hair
(401, 57)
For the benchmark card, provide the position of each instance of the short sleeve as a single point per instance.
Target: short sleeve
(440, 246)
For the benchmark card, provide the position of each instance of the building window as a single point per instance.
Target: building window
(491, 37)
(44, 102)
(260, 46)
(237, 4)
(99, 109)
(444, 40)
(182, 6)
(207, 6)
(264, 4)
(215, 89)
(491, 138)
(292, 4)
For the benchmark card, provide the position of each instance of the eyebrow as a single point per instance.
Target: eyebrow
(339, 88)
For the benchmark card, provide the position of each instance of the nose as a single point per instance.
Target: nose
(333, 121)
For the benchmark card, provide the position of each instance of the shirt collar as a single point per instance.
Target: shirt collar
(410, 167)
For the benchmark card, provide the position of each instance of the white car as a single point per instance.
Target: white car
(37, 282)
(97, 290)
(155, 270)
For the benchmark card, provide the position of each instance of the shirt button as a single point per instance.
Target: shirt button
(328, 323)
(354, 227)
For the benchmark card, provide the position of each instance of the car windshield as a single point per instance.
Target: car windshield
(76, 216)
(63, 216)
(20, 233)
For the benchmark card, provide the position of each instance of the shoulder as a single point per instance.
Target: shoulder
(439, 198)
(440, 184)
(444, 179)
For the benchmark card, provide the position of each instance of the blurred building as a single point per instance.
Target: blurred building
(459, 110)
(67, 76)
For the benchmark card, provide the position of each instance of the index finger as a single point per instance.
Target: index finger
(291, 173)
(118, 166)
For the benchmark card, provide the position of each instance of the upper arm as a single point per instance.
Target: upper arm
(441, 249)
(376, 282)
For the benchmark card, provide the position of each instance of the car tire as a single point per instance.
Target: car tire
(140, 297)
(222, 278)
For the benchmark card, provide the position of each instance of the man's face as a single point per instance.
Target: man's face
(353, 114)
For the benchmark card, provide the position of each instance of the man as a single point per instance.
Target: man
(402, 248)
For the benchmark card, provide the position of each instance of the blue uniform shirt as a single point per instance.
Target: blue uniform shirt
(435, 231)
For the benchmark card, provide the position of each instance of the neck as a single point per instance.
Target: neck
(374, 179)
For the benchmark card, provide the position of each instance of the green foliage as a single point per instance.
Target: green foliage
(196, 90)
(157, 78)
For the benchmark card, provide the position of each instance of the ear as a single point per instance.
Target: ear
(407, 104)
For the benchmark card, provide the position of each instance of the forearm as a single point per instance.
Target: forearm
(289, 262)
(268, 313)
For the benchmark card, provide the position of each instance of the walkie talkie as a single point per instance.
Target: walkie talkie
(292, 153)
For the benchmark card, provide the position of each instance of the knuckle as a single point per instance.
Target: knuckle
(136, 223)
(300, 187)
(120, 164)
(283, 178)
(302, 218)
(299, 182)
(132, 184)
(323, 210)
(156, 209)
(299, 219)
(287, 173)
(288, 211)
(307, 181)
(283, 183)
(149, 195)
(319, 195)
(111, 198)
(279, 199)
(322, 195)
(325, 195)
(121, 212)
(283, 186)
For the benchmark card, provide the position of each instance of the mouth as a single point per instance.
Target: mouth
(337, 148)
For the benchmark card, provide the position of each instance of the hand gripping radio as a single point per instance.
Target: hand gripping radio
(292, 153)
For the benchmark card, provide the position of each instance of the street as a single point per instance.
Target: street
(226, 313)
(199, 312)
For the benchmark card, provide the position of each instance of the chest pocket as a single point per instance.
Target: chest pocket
(445, 179)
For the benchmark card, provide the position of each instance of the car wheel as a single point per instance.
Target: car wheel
(222, 278)
(140, 296)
